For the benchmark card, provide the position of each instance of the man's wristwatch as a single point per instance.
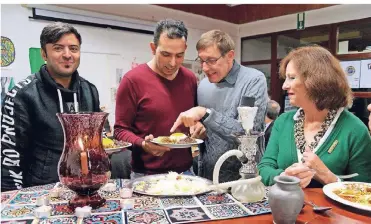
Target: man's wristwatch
(208, 111)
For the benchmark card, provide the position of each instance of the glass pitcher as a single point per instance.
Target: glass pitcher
(84, 166)
(249, 188)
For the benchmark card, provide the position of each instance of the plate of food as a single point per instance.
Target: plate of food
(354, 194)
(113, 145)
(177, 140)
(170, 184)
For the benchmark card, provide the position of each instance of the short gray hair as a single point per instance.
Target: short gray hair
(273, 109)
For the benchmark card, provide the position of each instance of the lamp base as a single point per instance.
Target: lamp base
(94, 201)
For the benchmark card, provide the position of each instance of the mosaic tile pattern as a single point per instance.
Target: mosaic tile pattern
(61, 209)
(214, 198)
(17, 211)
(20, 204)
(192, 214)
(38, 188)
(146, 217)
(112, 218)
(59, 220)
(27, 198)
(227, 211)
(258, 208)
(6, 196)
(109, 206)
(147, 203)
(178, 202)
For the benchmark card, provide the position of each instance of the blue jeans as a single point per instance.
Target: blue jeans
(134, 175)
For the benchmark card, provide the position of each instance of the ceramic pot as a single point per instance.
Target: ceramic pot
(286, 199)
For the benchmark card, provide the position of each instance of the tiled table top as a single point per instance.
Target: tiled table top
(18, 207)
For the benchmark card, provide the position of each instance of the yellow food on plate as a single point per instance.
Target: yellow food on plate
(176, 137)
(359, 193)
(113, 143)
(108, 143)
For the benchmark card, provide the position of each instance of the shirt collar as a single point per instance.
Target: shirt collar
(231, 78)
(267, 125)
(296, 115)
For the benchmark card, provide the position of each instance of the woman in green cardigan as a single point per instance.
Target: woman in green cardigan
(321, 139)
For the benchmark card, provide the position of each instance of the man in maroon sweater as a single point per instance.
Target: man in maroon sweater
(149, 99)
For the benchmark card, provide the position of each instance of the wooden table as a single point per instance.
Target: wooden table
(340, 214)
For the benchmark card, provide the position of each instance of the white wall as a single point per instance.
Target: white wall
(97, 45)
(196, 24)
(332, 14)
(113, 48)
(103, 50)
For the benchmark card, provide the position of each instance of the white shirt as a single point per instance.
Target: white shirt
(267, 125)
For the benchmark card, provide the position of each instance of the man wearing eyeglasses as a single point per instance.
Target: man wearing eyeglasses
(218, 98)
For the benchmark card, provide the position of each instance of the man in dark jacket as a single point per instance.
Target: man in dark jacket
(31, 135)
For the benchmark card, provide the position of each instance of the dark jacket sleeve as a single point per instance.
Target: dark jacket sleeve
(95, 98)
(15, 130)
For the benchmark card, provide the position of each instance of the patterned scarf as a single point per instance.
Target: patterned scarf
(299, 130)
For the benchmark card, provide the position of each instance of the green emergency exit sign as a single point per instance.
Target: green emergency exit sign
(300, 21)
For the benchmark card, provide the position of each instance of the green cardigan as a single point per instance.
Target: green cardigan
(352, 154)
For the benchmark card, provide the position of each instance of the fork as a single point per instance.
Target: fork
(348, 176)
(316, 208)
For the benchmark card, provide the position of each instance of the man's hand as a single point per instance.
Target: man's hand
(369, 118)
(151, 148)
(198, 131)
(304, 173)
(189, 118)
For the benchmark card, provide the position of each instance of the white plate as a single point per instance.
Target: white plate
(151, 179)
(178, 146)
(329, 188)
(118, 149)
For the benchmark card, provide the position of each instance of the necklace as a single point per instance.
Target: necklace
(299, 131)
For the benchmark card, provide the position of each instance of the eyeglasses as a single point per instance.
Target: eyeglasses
(210, 61)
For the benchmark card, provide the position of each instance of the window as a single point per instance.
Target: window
(266, 69)
(354, 38)
(256, 49)
(294, 39)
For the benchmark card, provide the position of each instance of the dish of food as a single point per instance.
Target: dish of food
(113, 145)
(355, 194)
(177, 140)
(171, 184)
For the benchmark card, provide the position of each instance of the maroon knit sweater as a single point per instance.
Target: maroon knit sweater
(147, 103)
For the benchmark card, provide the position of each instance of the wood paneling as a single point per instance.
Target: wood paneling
(349, 57)
(362, 94)
(244, 13)
(215, 11)
(247, 63)
(250, 13)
